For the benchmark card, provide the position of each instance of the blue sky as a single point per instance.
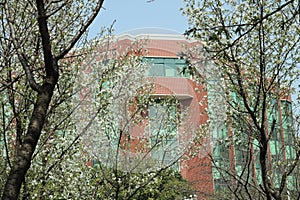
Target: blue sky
(132, 14)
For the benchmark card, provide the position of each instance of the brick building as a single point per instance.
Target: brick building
(169, 71)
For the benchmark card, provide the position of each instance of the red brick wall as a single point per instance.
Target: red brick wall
(198, 168)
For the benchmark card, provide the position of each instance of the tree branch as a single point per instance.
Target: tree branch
(50, 66)
(81, 31)
(24, 61)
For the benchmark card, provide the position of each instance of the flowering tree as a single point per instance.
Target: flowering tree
(35, 37)
(254, 50)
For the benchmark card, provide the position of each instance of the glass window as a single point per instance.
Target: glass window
(163, 118)
(157, 70)
(221, 159)
(167, 67)
(287, 122)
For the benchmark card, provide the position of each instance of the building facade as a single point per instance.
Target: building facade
(195, 135)
(168, 70)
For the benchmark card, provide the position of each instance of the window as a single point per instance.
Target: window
(163, 117)
(221, 159)
(167, 67)
(287, 124)
(287, 121)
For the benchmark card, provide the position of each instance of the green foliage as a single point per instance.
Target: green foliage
(170, 185)
(71, 178)
(162, 185)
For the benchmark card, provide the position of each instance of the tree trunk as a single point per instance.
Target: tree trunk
(22, 159)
